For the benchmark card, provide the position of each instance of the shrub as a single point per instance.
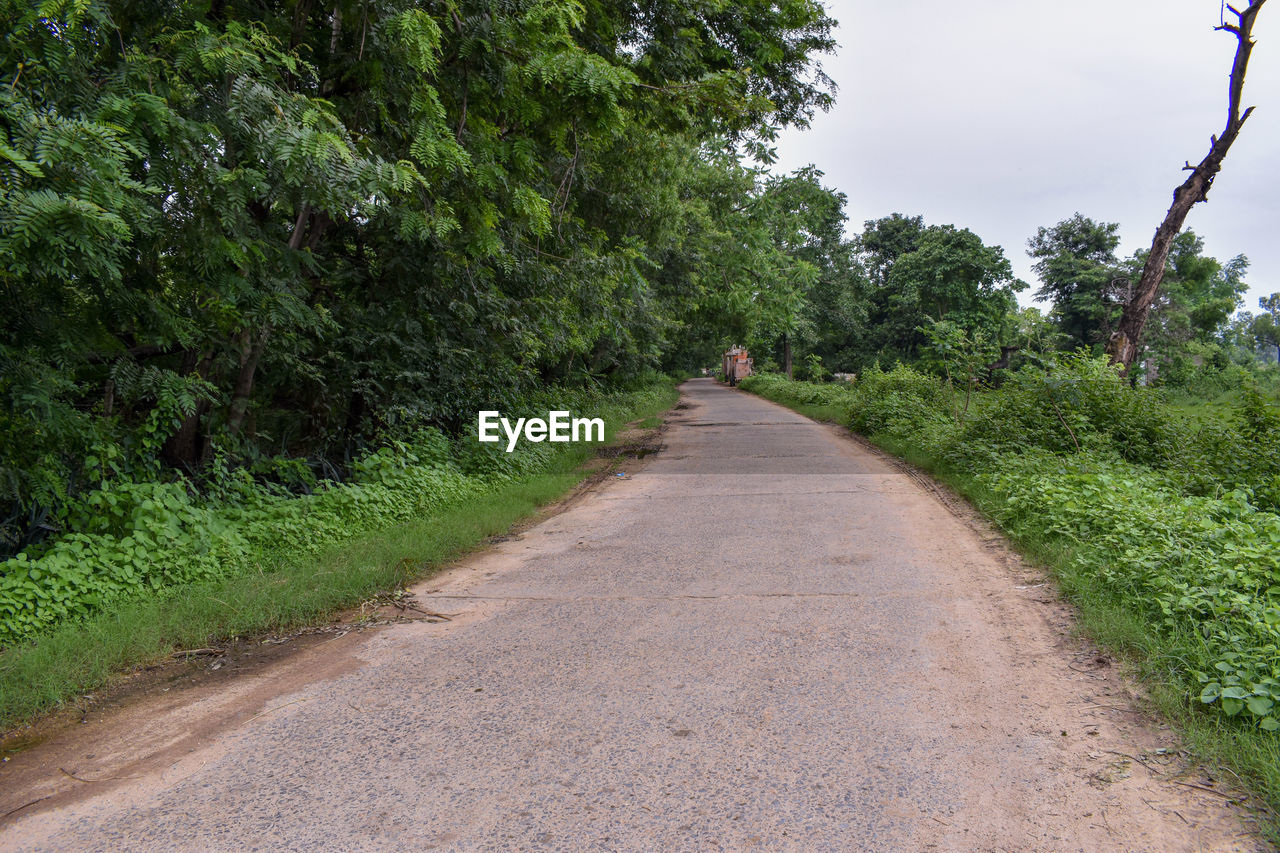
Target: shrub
(1207, 567)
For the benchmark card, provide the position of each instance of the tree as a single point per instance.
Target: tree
(950, 275)
(1197, 297)
(1122, 347)
(885, 240)
(962, 356)
(1266, 327)
(1077, 266)
(291, 227)
(807, 221)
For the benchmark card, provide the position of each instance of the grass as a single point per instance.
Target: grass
(84, 656)
(1249, 756)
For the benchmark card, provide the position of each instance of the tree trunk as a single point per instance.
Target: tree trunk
(1001, 363)
(251, 345)
(250, 353)
(355, 414)
(186, 447)
(786, 354)
(1122, 347)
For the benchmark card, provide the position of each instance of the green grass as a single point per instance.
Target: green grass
(1234, 753)
(826, 414)
(84, 656)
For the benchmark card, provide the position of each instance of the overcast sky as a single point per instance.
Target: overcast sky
(1004, 115)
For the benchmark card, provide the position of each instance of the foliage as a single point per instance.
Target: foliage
(1210, 566)
(1197, 296)
(813, 368)
(920, 274)
(1189, 338)
(285, 590)
(961, 355)
(281, 234)
(140, 538)
(1079, 272)
(1265, 328)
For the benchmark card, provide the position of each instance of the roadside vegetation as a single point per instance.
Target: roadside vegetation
(109, 601)
(1161, 520)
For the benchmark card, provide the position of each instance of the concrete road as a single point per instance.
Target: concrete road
(766, 638)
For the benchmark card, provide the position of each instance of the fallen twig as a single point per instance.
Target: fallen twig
(1137, 759)
(1233, 798)
(194, 652)
(432, 614)
(1113, 707)
(23, 806)
(278, 707)
(71, 775)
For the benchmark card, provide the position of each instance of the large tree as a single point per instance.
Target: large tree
(807, 222)
(885, 240)
(933, 273)
(1265, 328)
(1197, 297)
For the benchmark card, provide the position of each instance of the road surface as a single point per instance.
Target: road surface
(765, 638)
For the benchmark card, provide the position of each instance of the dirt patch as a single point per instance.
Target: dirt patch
(155, 715)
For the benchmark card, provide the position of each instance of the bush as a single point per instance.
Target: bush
(1079, 402)
(1205, 567)
(900, 401)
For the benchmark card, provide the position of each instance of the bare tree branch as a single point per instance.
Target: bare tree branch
(1122, 347)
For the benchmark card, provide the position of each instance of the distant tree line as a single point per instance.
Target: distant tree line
(880, 293)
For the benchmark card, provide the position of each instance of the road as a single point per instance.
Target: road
(766, 637)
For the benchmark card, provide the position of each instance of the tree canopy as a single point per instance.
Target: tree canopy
(263, 227)
(275, 234)
(1077, 265)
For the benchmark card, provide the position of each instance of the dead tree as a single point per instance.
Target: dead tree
(1122, 346)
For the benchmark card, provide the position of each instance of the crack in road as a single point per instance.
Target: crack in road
(731, 596)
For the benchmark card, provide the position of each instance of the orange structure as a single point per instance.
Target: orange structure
(737, 364)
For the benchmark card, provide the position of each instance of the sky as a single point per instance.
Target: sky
(1004, 115)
